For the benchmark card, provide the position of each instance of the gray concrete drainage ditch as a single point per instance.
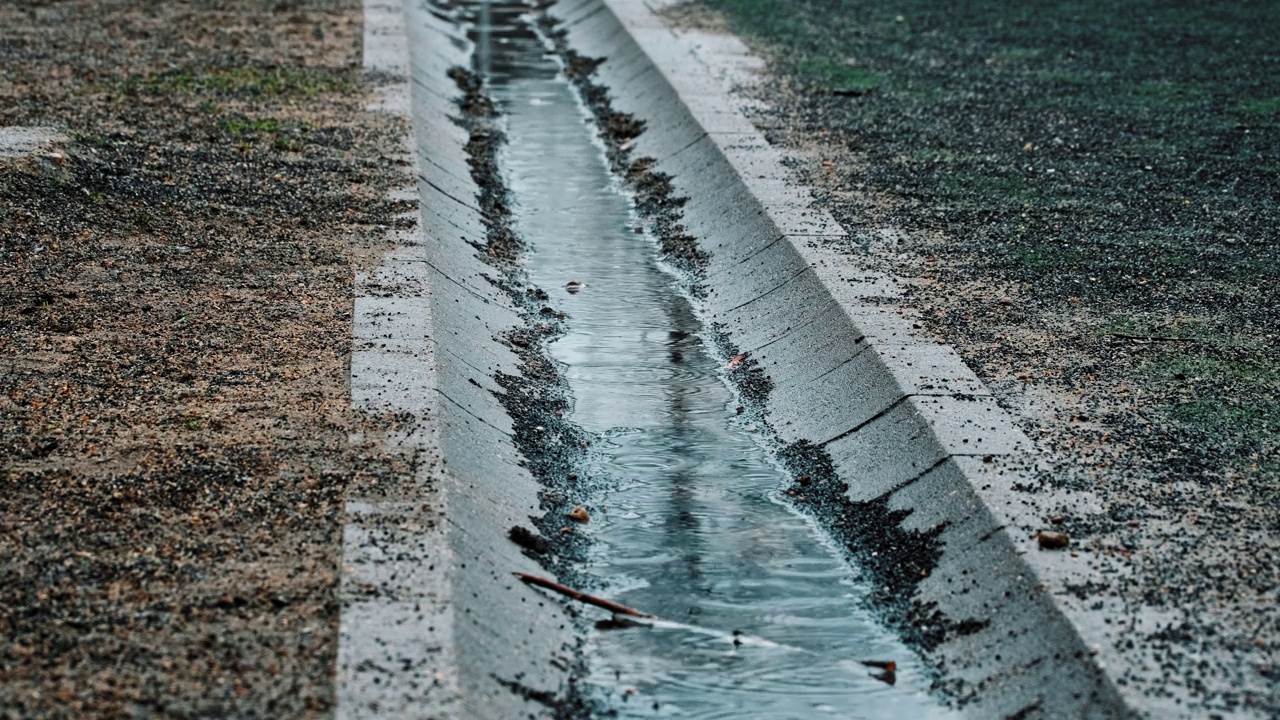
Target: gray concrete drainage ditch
(744, 423)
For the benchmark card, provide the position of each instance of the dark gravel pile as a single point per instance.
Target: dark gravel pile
(176, 278)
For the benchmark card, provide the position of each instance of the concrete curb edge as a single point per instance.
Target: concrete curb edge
(903, 418)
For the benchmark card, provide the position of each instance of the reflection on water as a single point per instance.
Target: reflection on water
(761, 618)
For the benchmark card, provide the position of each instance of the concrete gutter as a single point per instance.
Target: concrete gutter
(901, 417)
(433, 623)
(17, 140)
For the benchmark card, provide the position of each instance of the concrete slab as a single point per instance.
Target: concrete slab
(905, 421)
(18, 140)
(433, 623)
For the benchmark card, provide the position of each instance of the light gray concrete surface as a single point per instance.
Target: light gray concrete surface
(433, 622)
(19, 140)
(902, 417)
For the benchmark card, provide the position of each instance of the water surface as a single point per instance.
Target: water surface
(695, 530)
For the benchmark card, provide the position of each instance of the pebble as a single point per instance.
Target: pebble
(1053, 540)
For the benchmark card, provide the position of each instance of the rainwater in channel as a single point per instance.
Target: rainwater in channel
(695, 531)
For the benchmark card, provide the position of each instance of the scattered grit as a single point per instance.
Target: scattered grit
(176, 265)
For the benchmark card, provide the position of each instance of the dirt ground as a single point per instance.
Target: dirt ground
(176, 279)
(1084, 199)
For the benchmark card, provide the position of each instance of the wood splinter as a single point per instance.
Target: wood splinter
(580, 596)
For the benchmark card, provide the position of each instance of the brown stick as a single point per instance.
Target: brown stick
(579, 596)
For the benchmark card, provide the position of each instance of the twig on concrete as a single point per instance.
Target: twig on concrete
(580, 596)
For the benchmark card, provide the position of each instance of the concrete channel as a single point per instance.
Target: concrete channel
(844, 392)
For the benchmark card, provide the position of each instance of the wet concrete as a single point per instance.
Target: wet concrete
(762, 613)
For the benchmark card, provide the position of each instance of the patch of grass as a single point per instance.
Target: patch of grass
(983, 190)
(1069, 79)
(1015, 56)
(193, 423)
(243, 82)
(1204, 332)
(286, 136)
(1099, 263)
(1163, 93)
(287, 143)
(145, 220)
(1260, 106)
(934, 156)
(770, 19)
(237, 125)
(1054, 258)
(838, 76)
(1231, 402)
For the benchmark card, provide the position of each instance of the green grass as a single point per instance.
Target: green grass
(1232, 401)
(1261, 106)
(282, 135)
(934, 156)
(241, 125)
(243, 82)
(1064, 78)
(1165, 94)
(987, 191)
(838, 77)
(1016, 56)
(1207, 333)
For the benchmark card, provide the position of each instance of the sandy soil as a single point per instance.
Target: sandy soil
(176, 282)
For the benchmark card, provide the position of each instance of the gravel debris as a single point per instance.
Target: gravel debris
(175, 409)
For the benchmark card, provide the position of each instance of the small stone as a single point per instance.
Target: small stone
(573, 476)
(528, 539)
(1053, 540)
(579, 514)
